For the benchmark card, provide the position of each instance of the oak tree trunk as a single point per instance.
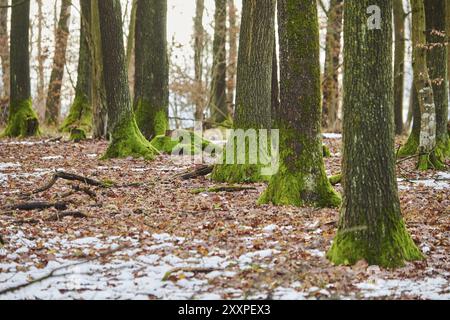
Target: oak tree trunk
(399, 64)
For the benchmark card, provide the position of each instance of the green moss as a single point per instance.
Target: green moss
(128, 141)
(326, 152)
(431, 161)
(410, 147)
(152, 121)
(165, 144)
(79, 120)
(390, 248)
(336, 179)
(23, 121)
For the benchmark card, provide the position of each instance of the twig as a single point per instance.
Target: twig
(199, 172)
(72, 177)
(59, 216)
(38, 205)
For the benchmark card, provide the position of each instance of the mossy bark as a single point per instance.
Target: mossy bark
(151, 102)
(371, 227)
(194, 145)
(219, 108)
(253, 87)
(301, 179)
(399, 63)
(126, 139)
(22, 120)
(79, 120)
(412, 144)
(53, 103)
(435, 11)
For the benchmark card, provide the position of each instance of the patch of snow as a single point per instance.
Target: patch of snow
(8, 165)
(270, 228)
(52, 158)
(332, 136)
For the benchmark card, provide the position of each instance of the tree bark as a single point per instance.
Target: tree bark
(199, 43)
(435, 11)
(53, 103)
(22, 120)
(253, 86)
(332, 63)
(219, 108)
(99, 104)
(399, 64)
(127, 140)
(131, 47)
(151, 102)
(301, 178)
(371, 227)
(233, 31)
(79, 120)
(4, 56)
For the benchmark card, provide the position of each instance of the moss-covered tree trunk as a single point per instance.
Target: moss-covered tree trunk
(79, 120)
(399, 63)
(332, 63)
(371, 227)
(199, 43)
(22, 119)
(301, 179)
(151, 101)
(219, 108)
(53, 102)
(126, 140)
(253, 88)
(4, 57)
(275, 104)
(99, 104)
(233, 31)
(435, 11)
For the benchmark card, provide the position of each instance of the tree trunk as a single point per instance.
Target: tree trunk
(53, 104)
(301, 178)
(435, 11)
(40, 99)
(219, 108)
(131, 47)
(199, 43)
(79, 120)
(127, 140)
(233, 31)
(99, 104)
(4, 56)
(371, 227)
(151, 102)
(399, 64)
(22, 119)
(332, 63)
(275, 104)
(253, 89)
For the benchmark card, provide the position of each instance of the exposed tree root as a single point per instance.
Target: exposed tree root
(192, 174)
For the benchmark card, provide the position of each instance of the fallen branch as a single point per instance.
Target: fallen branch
(39, 205)
(72, 177)
(59, 216)
(85, 190)
(223, 189)
(199, 172)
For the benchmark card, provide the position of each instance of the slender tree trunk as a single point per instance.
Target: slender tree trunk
(199, 43)
(399, 64)
(22, 120)
(233, 31)
(371, 227)
(275, 86)
(435, 11)
(127, 140)
(4, 56)
(219, 108)
(53, 103)
(99, 104)
(131, 47)
(79, 119)
(301, 178)
(253, 89)
(40, 99)
(151, 102)
(332, 63)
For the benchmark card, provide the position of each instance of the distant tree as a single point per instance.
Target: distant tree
(151, 102)
(131, 47)
(99, 104)
(371, 226)
(126, 139)
(233, 32)
(332, 64)
(22, 120)
(199, 46)
(301, 179)
(399, 64)
(253, 87)
(219, 108)
(53, 103)
(4, 57)
(79, 120)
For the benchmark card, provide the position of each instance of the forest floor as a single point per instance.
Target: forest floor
(154, 236)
